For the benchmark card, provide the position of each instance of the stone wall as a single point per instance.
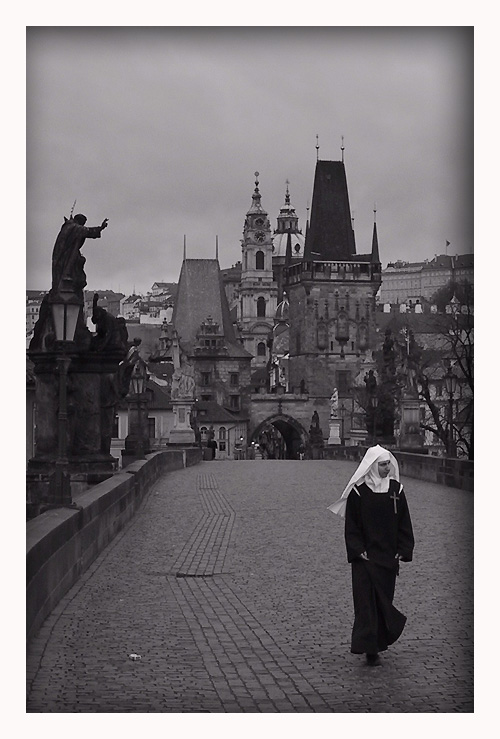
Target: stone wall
(62, 543)
(456, 473)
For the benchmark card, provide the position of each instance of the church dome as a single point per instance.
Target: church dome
(288, 223)
(279, 245)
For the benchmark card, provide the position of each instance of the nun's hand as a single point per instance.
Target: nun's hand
(364, 555)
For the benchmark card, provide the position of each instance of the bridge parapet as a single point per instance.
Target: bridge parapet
(63, 542)
(455, 473)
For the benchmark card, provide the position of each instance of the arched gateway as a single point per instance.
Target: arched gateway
(281, 436)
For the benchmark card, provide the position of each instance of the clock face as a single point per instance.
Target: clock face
(260, 236)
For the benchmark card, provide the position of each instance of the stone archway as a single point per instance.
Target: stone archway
(292, 432)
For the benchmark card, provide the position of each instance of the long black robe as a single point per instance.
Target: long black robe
(380, 526)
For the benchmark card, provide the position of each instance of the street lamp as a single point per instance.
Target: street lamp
(374, 404)
(450, 381)
(138, 383)
(65, 316)
(342, 421)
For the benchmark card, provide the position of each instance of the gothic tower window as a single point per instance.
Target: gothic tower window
(261, 307)
(261, 349)
(259, 260)
(322, 336)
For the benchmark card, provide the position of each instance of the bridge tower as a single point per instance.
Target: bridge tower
(331, 294)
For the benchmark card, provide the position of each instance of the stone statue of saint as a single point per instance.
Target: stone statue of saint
(334, 403)
(371, 383)
(126, 366)
(183, 383)
(67, 261)
(111, 332)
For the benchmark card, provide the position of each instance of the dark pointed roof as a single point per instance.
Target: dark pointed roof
(330, 236)
(200, 294)
(375, 253)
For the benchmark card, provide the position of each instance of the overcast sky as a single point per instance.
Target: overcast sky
(161, 130)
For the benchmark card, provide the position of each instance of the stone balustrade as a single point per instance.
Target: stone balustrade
(456, 473)
(63, 542)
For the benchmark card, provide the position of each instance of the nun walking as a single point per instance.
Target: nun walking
(378, 535)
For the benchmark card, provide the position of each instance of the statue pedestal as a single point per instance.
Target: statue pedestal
(334, 437)
(182, 434)
(77, 434)
(411, 436)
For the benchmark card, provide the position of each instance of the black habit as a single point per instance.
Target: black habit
(380, 525)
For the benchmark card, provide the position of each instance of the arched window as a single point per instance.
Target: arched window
(261, 307)
(204, 433)
(259, 260)
(222, 433)
(261, 349)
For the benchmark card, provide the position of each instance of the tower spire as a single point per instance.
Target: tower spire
(375, 252)
(217, 248)
(317, 148)
(184, 248)
(342, 149)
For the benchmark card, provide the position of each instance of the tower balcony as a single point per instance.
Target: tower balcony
(352, 271)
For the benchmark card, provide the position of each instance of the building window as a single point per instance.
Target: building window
(261, 349)
(115, 428)
(222, 439)
(203, 433)
(234, 402)
(206, 397)
(261, 307)
(234, 379)
(259, 260)
(205, 378)
(343, 382)
(152, 428)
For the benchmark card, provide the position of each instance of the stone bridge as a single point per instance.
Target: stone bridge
(223, 587)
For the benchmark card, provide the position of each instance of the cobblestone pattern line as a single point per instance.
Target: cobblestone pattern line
(206, 550)
(248, 668)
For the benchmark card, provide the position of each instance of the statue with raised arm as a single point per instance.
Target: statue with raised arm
(67, 261)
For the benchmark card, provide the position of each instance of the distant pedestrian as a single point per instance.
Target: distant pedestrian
(378, 534)
(212, 445)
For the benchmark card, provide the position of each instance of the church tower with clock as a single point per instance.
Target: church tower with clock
(258, 289)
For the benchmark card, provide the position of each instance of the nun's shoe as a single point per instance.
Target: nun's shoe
(373, 660)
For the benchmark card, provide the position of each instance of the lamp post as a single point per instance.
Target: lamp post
(65, 316)
(374, 404)
(138, 382)
(450, 380)
(342, 422)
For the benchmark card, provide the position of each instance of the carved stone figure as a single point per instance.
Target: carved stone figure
(111, 332)
(126, 367)
(371, 383)
(183, 383)
(68, 279)
(334, 403)
(67, 261)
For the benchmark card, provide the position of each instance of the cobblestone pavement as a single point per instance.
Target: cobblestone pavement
(232, 585)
